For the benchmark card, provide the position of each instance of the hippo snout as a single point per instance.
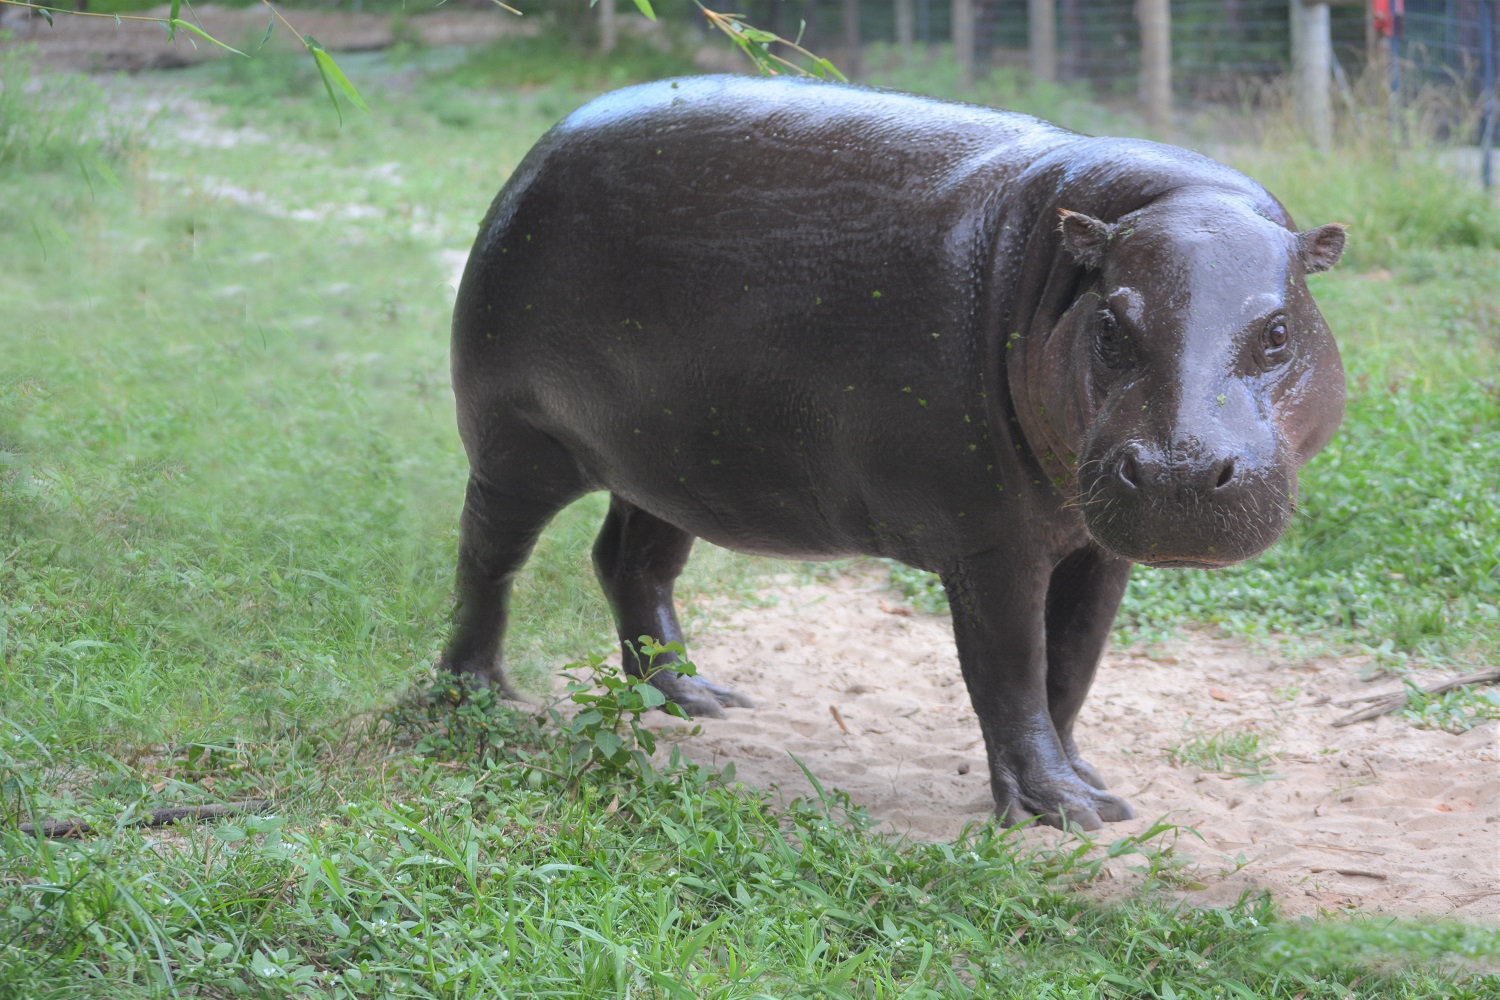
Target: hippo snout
(1142, 468)
(1196, 507)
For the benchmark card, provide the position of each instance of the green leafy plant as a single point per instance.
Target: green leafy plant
(606, 733)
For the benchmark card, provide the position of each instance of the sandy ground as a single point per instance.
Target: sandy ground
(1379, 816)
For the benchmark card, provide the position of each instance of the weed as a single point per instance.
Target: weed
(1454, 711)
(1237, 753)
(606, 732)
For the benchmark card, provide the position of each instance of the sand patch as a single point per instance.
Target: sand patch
(1380, 816)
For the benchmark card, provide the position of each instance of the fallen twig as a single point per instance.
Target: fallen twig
(1352, 871)
(53, 829)
(1347, 850)
(1393, 700)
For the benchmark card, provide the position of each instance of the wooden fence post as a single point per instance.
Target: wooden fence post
(1155, 18)
(963, 38)
(1312, 69)
(906, 26)
(609, 34)
(1041, 19)
(853, 57)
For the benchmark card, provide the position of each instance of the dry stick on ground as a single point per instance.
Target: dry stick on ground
(1362, 873)
(1393, 700)
(54, 828)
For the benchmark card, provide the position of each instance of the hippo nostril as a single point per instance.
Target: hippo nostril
(1225, 475)
(1129, 471)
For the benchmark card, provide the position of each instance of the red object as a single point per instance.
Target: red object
(1385, 17)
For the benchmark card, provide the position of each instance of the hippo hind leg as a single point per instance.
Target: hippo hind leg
(513, 492)
(1083, 598)
(638, 558)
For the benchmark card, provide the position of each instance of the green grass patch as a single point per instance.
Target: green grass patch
(936, 74)
(1234, 752)
(474, 865)
(555, 61)
(60, 126)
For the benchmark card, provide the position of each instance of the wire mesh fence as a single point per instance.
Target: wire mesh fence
(1427, 59)
(1217, 45)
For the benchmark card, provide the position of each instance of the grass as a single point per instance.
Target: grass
(936, 73)
(228, 493)
(1234, 752)
(62, 126)
(469, 868)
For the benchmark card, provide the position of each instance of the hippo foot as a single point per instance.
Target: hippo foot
(1057, 799)
(1086, 771)
(699, 697)
(1081, 767)
(468, 681)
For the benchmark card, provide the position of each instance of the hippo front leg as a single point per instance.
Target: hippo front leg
(999, 614)
(1083, 598)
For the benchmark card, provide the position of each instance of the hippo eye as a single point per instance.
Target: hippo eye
(1107, 343)
(1276, 336)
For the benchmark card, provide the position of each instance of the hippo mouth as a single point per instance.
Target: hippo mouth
(1184, 564)
(1178, 527)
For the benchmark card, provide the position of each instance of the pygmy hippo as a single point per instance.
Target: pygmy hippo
(814, 321)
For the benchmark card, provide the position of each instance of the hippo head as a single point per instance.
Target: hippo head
(1202, 375)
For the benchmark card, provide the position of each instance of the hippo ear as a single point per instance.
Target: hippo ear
(1319, 249)
(1085, 237)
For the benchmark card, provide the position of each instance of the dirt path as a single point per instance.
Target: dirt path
(1380, 815)
(98, 44)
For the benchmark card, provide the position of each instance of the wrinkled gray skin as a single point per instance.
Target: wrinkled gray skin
(815, 321)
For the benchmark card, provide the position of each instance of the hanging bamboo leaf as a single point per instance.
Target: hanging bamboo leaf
(179, 23)
(270, 26)
(330, 72)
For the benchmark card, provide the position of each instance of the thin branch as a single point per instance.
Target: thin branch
(53, 829)
(756, 44)
(1394, 700)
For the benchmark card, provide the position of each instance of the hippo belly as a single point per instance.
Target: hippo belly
(815, 321)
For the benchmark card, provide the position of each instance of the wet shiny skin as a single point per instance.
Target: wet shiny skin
(813, 321)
